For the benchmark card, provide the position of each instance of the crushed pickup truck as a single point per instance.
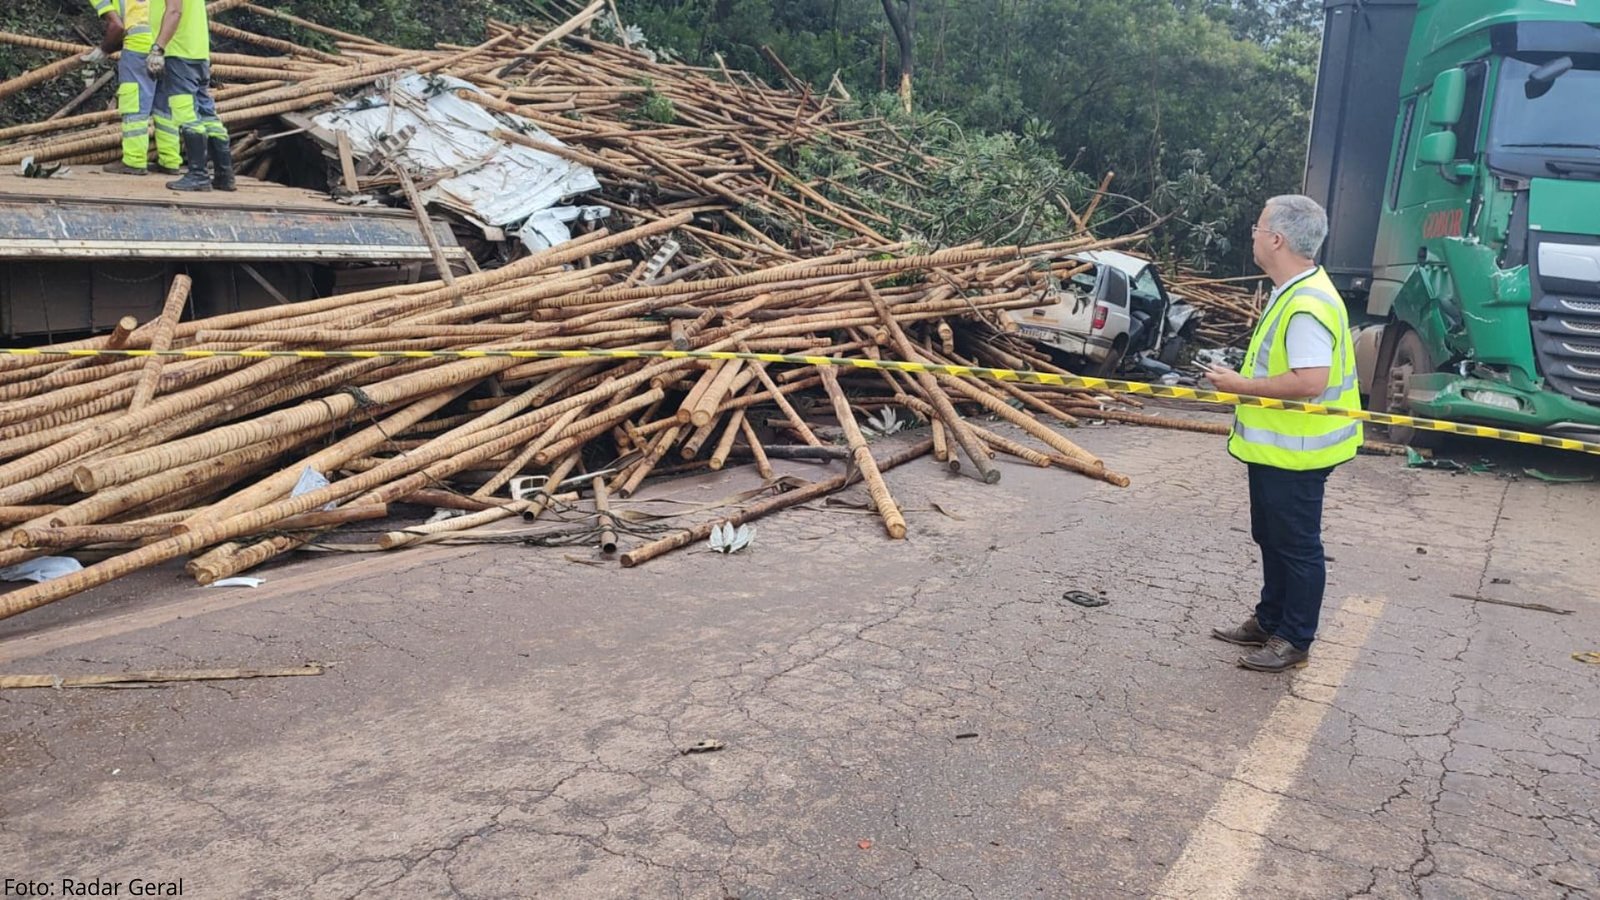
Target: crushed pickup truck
(1112, 311)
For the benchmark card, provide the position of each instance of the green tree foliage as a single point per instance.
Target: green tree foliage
(1199, 106)
(996, 187)
(59, 19)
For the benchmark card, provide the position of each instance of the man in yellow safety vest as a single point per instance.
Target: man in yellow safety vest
(1301, 350)
(181, 58)
(129, 27)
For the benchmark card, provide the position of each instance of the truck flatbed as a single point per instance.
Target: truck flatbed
(92, 215)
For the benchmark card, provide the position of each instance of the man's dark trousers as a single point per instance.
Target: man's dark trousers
(1286, 520)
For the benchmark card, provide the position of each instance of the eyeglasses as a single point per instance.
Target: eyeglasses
(1257, 229)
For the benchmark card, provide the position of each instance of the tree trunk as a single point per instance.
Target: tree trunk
(901, 22)
(883, 62)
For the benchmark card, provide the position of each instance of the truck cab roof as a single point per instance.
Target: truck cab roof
(1449, 32)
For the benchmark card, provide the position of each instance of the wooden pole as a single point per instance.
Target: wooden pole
(424, 222)
(39, 76)
(763, 466)
(165, 325)
(893, 522)
(976, 451)
(602, 511)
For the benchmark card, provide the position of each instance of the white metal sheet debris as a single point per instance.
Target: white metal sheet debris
(488, 180)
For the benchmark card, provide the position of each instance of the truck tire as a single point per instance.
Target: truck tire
(1407, 355)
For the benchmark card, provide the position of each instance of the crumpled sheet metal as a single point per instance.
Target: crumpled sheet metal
(499, 184)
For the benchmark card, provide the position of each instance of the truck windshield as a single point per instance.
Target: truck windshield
(1558, 125)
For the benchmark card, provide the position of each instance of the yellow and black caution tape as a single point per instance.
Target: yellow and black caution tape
(1085, 382)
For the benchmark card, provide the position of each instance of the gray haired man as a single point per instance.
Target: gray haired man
(1301, 350)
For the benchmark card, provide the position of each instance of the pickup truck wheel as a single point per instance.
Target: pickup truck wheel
(1107, 368)
(1409, 356)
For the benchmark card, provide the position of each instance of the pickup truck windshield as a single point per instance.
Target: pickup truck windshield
(1525, 133)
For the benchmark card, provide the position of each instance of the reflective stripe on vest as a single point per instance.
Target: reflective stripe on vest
(1334, 392)
(1300, 443)
(138, 35)
(1293, 440)
(1302, 289)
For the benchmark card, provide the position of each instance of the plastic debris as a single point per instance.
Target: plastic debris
(31, 169)
(238, 581)
(1086, 599)
(311, 480)
(42, 569)
(709, 745)
(1557, 479)
(1415, 460)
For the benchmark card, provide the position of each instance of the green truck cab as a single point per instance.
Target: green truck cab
(1456, 147)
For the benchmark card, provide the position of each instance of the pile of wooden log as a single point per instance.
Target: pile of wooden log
(202, 455)
(718, 150)
(717, 245)
(1232, 306)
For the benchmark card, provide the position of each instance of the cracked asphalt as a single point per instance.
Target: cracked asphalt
(924, 718)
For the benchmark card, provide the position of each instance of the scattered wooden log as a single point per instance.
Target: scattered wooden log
(715, 243)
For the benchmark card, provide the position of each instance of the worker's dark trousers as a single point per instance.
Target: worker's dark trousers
(1286, 520)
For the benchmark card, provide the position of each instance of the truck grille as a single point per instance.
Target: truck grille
(1566, 316)
(1578, 326)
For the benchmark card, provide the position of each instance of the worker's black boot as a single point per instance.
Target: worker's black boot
(1250, 634)
(194, 154)
(221, 163)
(1277, 656)
(121, 168)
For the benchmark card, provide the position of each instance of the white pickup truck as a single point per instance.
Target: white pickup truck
(1114, 309)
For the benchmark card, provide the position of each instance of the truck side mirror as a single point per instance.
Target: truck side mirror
(1438, 148)
(1449, 97)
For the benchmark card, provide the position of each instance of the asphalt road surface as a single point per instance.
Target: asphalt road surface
(926, 718)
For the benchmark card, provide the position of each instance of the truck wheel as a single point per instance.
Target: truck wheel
(1408, 356)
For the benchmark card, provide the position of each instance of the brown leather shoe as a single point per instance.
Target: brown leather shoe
(1277, 656)
(1250, 634)
(121, 168)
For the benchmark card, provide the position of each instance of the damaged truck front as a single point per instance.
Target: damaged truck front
(1477, 256)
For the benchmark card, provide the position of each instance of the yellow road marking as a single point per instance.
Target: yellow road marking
(1222, 853)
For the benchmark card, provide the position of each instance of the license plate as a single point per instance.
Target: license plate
(1038, 334)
